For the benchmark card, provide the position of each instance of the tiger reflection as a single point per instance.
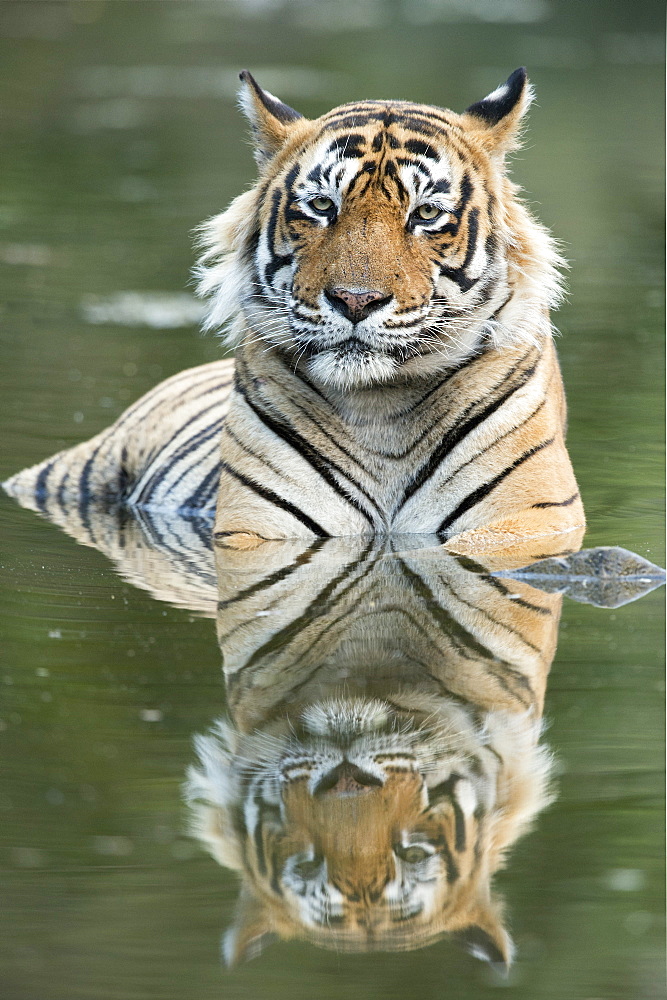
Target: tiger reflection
(382, 749)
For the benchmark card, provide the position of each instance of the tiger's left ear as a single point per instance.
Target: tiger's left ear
(249, 934)
(270, 119)
(497, 118)
(486, 937)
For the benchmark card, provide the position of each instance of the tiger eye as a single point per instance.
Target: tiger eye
(428, 212)
(322, 204)
(412, 854)
(308, 868)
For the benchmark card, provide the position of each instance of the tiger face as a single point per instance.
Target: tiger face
(364, 824)
(377, 822)
(382, 240)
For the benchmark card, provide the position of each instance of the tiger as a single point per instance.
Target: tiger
(387, 296)
(382, 748)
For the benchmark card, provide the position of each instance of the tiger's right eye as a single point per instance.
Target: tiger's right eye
(428, 212)
(307, 868)
(321, 204)
(412, 853)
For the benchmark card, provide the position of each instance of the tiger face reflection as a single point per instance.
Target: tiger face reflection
(369, 795)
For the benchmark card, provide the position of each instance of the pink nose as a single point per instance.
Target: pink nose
(356, 306)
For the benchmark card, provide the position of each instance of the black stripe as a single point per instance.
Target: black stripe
(404, 161)
(446, 790)
(523, 682)
(450, 864)
(157, 399)
(124, 479)
(461, 430)
(258, 834)
(261, 459)
(277, 260)
(293, 214)
(348, 145)
(450, 374)
(310, 454)
(356, 120)
(460, 825)
(203, 530)
(420, 125)
(493, 444)
(457, 274)
(315, 174)
(449, 625)
(557, 503)
(421, 149)
(250, 248)
(290, 177)
(278, 501)
(500, 586)
(483, 491)
(183, 451)
(85, 496)
(404, 116)
(554, 555)
(438, 420)
(197, 442)
(60, 496)
(41, 492)
(330, 437)
(473, 229)
(422, 111)
(277, 577)
(465, 194)
(204, 492)
(317, 608)
(153, 530)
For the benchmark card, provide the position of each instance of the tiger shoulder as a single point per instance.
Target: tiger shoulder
(387, 296)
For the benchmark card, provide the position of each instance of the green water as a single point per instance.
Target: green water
(119, 134)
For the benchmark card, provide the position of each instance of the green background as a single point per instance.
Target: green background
(118, 135)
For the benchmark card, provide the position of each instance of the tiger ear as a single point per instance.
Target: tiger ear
(486, 937)
(270, 119)
(249, 934)
(497, 118)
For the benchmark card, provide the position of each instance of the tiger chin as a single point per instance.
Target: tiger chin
(360, 798)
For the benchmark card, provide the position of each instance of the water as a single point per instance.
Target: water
(119, 136)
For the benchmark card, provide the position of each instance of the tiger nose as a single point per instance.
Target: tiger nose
(357, 305)
(346, 779)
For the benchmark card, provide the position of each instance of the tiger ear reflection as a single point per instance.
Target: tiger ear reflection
(382, 752)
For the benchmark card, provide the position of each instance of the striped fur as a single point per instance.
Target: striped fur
(381, 754)
(388, 297)
(162, 454)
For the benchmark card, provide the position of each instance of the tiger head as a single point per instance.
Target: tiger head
(364, 824)
(382, 240)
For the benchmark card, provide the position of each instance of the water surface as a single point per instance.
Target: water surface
(119, 136)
